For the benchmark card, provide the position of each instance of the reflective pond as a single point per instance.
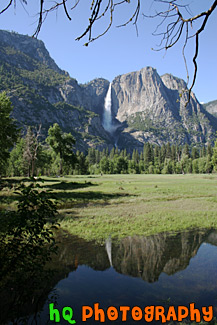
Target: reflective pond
(164, 269)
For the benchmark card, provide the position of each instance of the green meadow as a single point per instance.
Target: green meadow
(95, 207)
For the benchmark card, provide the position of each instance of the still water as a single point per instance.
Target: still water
(165, 269)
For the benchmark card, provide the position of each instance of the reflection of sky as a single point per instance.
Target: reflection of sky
(197, 283)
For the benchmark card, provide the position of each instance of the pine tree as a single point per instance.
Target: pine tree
(135, 156)
(194, 153)
(31, 149)
(112, 153)
(8, 130)
(168, 151)
(173, 153)
(209, 165)
(162, 153)
(147, 153)
(178, 153)
(104, 165)
(62, 144)
(91, 156)
(203, 152)
(82, 163)
(214, 156)
(209, 150)
(98, 156)
(185, 150)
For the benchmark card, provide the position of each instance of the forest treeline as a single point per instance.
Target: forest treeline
(29, 154)
(55, 157)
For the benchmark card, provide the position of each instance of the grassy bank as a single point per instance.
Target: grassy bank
(122, 205)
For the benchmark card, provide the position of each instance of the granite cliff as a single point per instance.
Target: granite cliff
(140, 257)
(154, 109)
(42, 93)
(145, 106)
(211, 107)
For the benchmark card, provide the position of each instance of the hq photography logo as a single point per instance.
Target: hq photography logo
(125, 313)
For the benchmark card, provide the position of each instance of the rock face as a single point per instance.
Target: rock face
(31, 47)
(148, 257)
(41, 93)
(145, 106)
(211, 107)
(141, 257)
(136, 92)
(154, 109)
(90, 96)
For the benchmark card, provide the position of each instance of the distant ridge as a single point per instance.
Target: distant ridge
(211, 107)
(145, 106)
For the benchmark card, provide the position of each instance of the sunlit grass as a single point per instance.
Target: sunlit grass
(94, 207)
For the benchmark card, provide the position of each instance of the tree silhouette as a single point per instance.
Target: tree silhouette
(62, 144)
(8, 130)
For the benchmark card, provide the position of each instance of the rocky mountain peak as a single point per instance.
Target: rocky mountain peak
(154, 111)
(173, 83)
(31, 47)
(144, 106)
(211, 107)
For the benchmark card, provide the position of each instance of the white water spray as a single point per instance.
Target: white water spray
(108, 247)
(107, 114)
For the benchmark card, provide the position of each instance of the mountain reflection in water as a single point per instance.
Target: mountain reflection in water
(140, 257)
(164, 269)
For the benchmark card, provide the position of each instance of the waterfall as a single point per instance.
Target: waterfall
(107, 113)
(108, 246)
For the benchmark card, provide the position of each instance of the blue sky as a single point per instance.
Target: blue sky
(120, 50)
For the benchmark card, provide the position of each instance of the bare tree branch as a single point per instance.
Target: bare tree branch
(207, 14)
(92, 19)
(174, 31)
(6, 8)
(40, 20)
(66, 12)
